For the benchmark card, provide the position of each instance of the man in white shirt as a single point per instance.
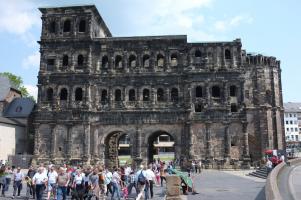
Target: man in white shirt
(52, 178)
(141, 181)
(115, 183)
(17, 181)
(39, 180)
(151, 177)
(107, 182)
(127, 172)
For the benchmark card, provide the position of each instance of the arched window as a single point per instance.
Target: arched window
(63, 94)
(233, 108)
(146, 95)
(216, 91)
(160, 94)
(78, 94)
(105, 62)
(132, 61)
(199, 91)
(52, 27)
(160, 60)
(198, 107)
(67, 26)
(65, 60)
(49, 94)
(174, 94)
(104, 96)
(82, 26)
(233, 91)
(174, 59)
(118, 95)
(146, 62)
(80, 60)
(132, 95)
(198, 54)
(227, 54)
(118, 61)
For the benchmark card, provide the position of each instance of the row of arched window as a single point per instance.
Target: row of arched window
(67, 26)
(215, 91)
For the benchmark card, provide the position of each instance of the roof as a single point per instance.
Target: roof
(19, 107)
(5, 87)
(292, 107)
(78, 7)
(13, 121)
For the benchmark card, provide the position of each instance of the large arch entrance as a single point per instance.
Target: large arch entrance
(117, 149)
(161, 145)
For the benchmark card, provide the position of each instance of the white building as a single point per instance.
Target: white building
(292, 121)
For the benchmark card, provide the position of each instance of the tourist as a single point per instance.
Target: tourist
(162, 173)
(116, 179)
(52, 178)
(62, 183)
(157, 173)
(151, 177)
(17, 182)
(269, 165)
(30, 190)
(132, 183)
(78, 185)
(141, 181)
(127, 172)
(8, 176)
(108, 181)
(39, 180)
(102, 185)
(94, 183)
(2, 180)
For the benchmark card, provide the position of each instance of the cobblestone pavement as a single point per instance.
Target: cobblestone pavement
(212, 185)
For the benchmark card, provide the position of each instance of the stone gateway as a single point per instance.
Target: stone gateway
(217, 102)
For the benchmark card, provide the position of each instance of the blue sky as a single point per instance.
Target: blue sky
(269, 27)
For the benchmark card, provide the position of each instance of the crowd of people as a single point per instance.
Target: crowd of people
(97, 182)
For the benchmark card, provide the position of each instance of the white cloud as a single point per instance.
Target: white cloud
(227, 24)
(32, 90)
(31, 61)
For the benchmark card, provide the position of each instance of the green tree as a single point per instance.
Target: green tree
(17, 82)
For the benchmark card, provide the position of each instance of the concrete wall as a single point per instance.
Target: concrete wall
(12, 140)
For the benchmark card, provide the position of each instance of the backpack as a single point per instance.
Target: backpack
(141, 178)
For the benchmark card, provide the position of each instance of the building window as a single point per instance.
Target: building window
(233, 91)
(118, 61)
(146, 61)
(198, 54)
(82, 26)
(104, 96)
(160, 60)
(216, 92)
(146, 95)
(50, 64)
(80, 60)
(104, 62)
(49, 94)
(63, 94)
(286, 122)
(174, 94)
(132, 61)
(291, 122)
(296, 129)
(233, 108)
(174, 59)
(52, 27)
(290, 115)
(132, 95)
(199, 91)
(297, 138)
(78, 94)
(118, 95)
(160, 94)
(65, 60)
(67, 26)
(227, 54)
(198, 108)
(287, 129)
(292, 130)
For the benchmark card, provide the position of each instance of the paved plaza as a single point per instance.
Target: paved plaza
(212, 185)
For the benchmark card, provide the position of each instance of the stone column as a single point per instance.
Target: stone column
(137, 149)
(69, 142)
(209, 156)
(36, 146)
(246, 154)
(95, 146)
(87, 154)
(53, 141)
(227, 142)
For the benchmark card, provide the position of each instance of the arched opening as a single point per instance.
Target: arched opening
(67, 26)
(52, 27)
(118, 61)
(199, 91)
(82, 26)
(132, 95)
(198, 54)
(63, 94)
(160, 60)
(161, 146)
(104, 96)
(146, 95)
(80, 60)
(160, 94)
(117, 149)
(216, 92)
(146, 62)
(227, 54)
(105, 62)
(234, 108)
(198, 108)
(49, 94)
(132, 61)
(174, 94)
(118, 95)
(174, 59)
(65, 60)
(78, 94)
(233, 91)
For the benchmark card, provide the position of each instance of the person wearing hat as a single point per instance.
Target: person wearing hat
(39, 180)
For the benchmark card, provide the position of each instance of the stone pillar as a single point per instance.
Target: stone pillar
(209, 156)
(137, 157)
(69, 142)
(246, 154)
(95, 146)
(87, 154)
(227, 140)
(53, 142)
